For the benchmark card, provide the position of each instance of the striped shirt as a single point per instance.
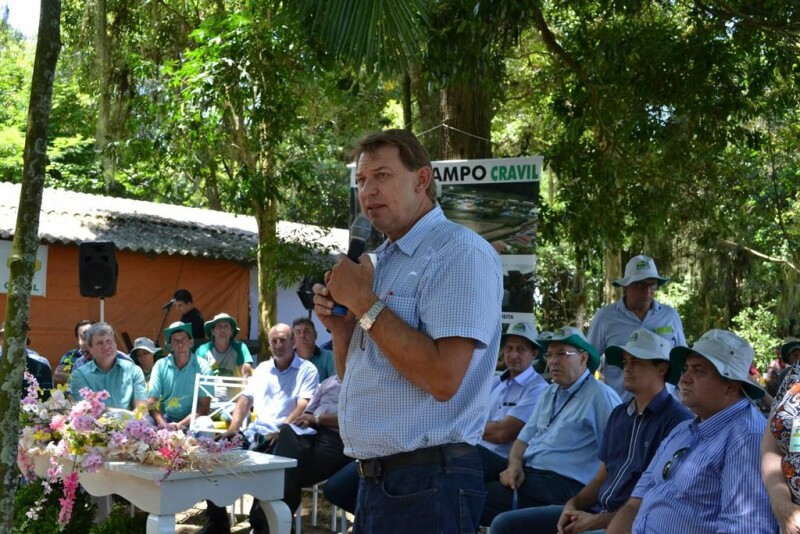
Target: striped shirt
(446, 281)
(713, 481)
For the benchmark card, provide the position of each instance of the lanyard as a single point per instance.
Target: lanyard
(555, 395)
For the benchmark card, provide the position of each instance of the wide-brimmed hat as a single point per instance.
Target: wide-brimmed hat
(730, 354)
(644, 345)
(573, 336)
(524, 330)
(209, 325)
(144, 343)
(175, 327)
(640, 268)
(789, 344)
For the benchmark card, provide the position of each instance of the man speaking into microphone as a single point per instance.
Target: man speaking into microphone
(416, 350)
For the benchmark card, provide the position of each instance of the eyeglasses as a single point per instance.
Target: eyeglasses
(646, 286)
(559, 355)
(680, 453)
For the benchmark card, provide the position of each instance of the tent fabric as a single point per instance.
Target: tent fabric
(146, 282)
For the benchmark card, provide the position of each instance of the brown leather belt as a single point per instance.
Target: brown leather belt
(376, 467)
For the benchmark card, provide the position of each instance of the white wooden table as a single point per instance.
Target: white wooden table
(251, 473)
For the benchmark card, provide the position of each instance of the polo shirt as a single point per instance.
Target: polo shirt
(323, 360)
(516, 397)
(714, 481)
(567, 427)
(630, 442)
(174, 388)
(124, 383)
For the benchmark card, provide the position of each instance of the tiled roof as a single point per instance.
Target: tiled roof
(149, 227)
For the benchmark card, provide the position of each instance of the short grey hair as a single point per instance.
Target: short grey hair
(99, 329)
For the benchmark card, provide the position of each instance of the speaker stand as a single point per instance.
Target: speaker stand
(163, 322)
(102, 309)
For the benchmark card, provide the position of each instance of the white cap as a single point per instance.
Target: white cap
(640, 268)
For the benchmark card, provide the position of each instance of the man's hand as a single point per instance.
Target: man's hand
(512, 477)
(788, 517)
(305, 420)
(350, 283)
(577, 521)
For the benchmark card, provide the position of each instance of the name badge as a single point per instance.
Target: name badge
(664, 330)
(794, 441)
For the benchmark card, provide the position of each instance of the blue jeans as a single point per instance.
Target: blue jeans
(446, 498)
(542, 519)
(341, 488)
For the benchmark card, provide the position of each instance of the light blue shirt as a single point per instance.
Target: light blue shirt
(446, 281)
(614, 324)
(566, 429)
(275, 393)
(516, 397)
(715, 485)
(174, 388)
(124, 383)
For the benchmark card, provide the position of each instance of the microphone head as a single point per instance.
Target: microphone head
(361, 228)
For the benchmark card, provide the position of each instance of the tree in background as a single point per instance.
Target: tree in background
(23, 253)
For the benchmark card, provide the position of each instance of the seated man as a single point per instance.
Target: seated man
(64, 367)
(705, 476)
(226, 357)
(319, 455)
(39, 371)
(634, 431)
(144, 354)
(512, 400)
(556, 452)
(122, 379)
(305, 344)
(278, 392)
(172, 382)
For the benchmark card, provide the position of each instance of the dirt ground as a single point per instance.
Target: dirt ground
(193, 519)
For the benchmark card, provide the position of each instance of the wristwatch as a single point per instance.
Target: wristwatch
(368, 319)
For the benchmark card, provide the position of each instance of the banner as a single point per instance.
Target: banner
(498, 199)
(39, 270)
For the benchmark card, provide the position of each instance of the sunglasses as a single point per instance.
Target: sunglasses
(680, 453)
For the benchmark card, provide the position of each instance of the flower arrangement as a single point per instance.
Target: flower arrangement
(81, 436)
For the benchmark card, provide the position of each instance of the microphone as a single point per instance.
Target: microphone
(168, 305)
(359, 233)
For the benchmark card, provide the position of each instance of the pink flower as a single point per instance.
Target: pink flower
(57, 422)
(67, 502)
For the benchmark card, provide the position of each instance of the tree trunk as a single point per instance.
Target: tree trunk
(267, 221)
(613, 272)
(103, 61)
(23, 253)
(428, 115)
(467, 112)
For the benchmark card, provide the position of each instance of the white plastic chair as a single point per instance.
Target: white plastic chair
(316, 491)
(206, 383)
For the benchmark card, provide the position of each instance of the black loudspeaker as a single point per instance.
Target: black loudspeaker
(97, 269)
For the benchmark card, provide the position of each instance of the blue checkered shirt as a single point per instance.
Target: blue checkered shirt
(445, 281)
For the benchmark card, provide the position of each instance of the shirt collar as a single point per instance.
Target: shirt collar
(655, 405)
(411, 240)
(620, 305)
(521, 379)
(710, 427)
(296, 362)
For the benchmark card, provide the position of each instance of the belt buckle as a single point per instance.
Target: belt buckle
(368, 468)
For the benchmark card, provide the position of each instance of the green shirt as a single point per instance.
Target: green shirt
(124, 383)
(174, 388)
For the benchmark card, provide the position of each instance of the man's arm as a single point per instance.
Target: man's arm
(203, 408)
(502, 431)
(435, 366)
(514, 475)
(623, 520)
(298, 410)
(154, 407)
(241, 412)
(780, 497)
